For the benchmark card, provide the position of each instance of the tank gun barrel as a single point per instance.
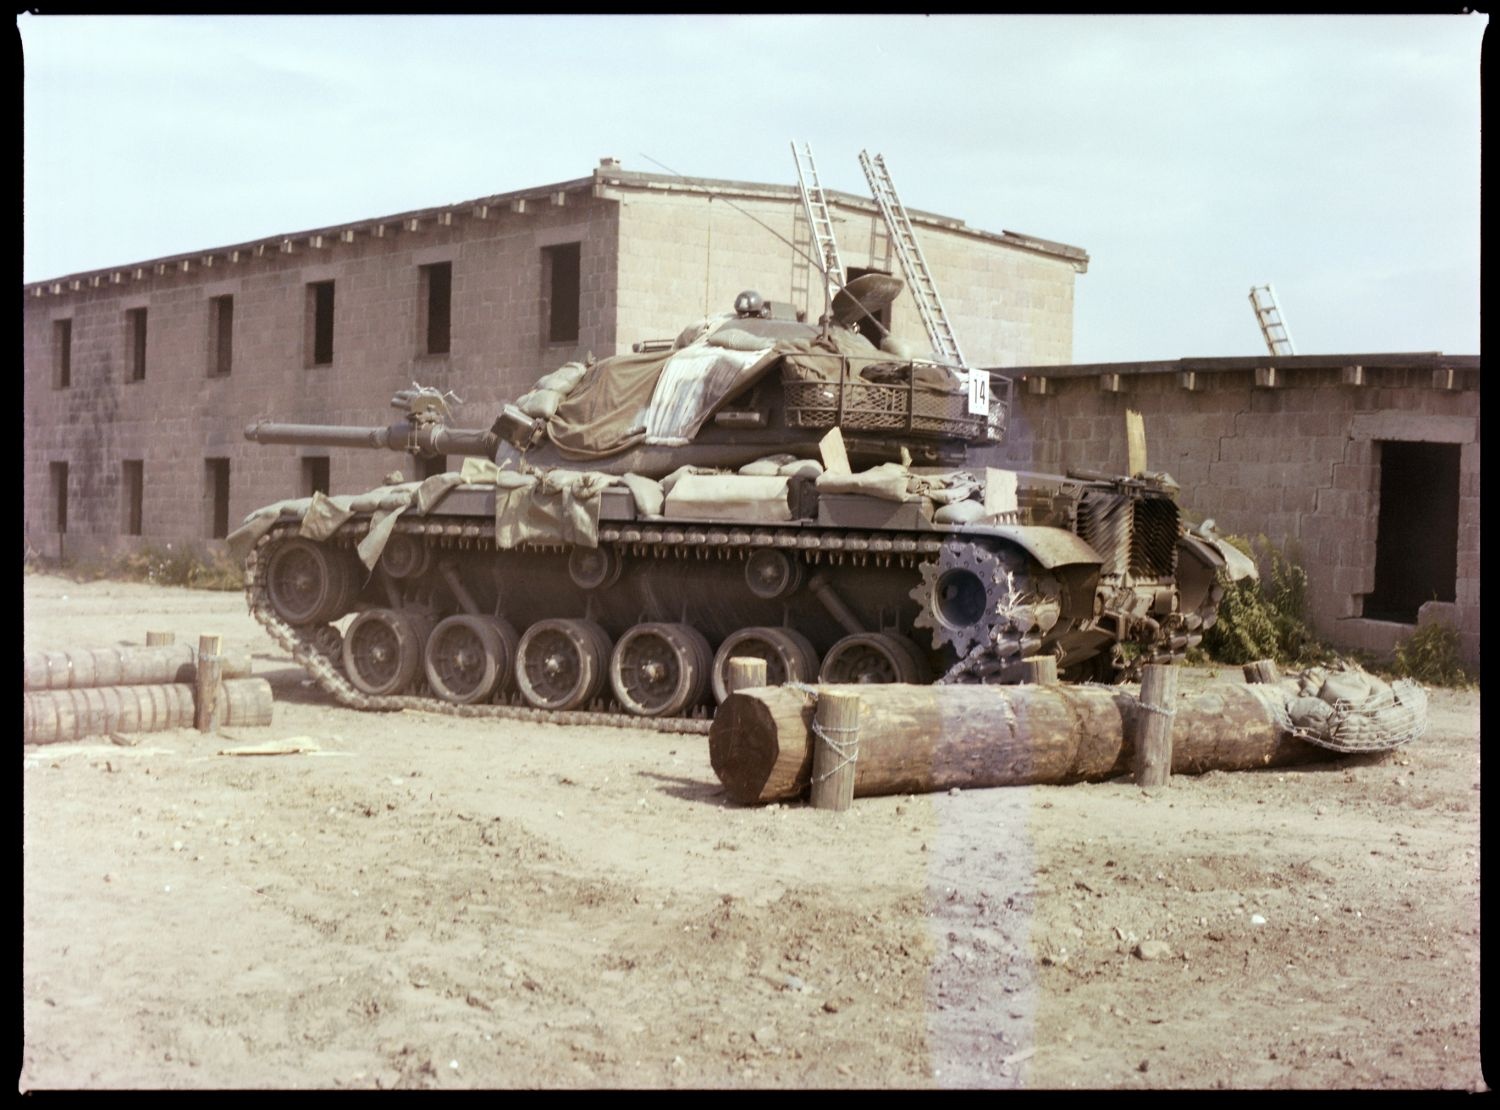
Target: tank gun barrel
(416, 439)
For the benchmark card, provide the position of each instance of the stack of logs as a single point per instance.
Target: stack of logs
(770, 744)
(96, 691)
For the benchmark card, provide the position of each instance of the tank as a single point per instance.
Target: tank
(758, 486)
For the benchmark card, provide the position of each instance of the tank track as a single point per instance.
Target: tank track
(317, 652)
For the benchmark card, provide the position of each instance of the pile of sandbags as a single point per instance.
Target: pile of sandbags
(1346, 709)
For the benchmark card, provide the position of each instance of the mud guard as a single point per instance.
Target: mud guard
(1219, 553)
(1074, 562)
(1051, 547)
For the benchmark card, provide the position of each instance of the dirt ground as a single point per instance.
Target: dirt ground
(428, 901)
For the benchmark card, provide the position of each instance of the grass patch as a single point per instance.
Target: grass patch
(1430, 655)
(188, 565)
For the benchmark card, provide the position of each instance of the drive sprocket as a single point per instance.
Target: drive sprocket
(966, 596)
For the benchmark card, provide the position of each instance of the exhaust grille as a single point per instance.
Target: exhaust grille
(1104, 524)
(1153, 544)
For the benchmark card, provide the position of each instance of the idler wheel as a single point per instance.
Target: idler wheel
(789, 657)
(469, 657)
(561, 663)
(309, 583)
(660, 670)
(875, 657)
(383, 650)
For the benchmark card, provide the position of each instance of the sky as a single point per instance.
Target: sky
(1193, 157)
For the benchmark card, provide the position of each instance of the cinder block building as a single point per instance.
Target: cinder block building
(1363, 467)
(140, 378)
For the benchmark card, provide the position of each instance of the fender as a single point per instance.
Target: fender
(1049, 546)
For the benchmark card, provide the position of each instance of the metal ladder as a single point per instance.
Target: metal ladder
(815, 205)
(1272, 326)
(913, 264)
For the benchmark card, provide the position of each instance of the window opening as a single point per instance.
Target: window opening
(135, 320)
(220, 336)
(315, 475)
(62, 354)
(563, 285)
(216, 489)
(437, 303)
(133, 483)
(57, 474)
(320, 322)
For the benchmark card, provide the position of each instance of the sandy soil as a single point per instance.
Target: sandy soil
(428, 901)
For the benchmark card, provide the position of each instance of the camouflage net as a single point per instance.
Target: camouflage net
(1347, 710)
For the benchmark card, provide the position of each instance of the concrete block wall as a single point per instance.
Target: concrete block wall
(1008, 306)
(179, 415)
(1296, 463)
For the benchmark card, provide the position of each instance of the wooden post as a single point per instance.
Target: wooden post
(206, 715)
(835, 750)
(1264, 670)
(156, 639)
(1040, 669)
(1153, 743)
(745, 672)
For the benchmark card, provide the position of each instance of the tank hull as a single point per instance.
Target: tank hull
(639, 626)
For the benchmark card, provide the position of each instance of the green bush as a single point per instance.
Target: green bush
(1265, 619)
(1430, 655)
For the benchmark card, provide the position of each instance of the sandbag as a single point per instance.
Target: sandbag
(563, 379)
(767, 467)
(729, 497)
(540, 404)
(1349, 686)
(960, 512)
(681, 472)
(1309, 713)
(802, 468)
(886, 481)
(647, 493)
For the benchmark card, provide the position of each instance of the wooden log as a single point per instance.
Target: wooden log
(80, 668)
(1263, 670)
(836, 749)
(920, 739)
(207, 715)
(1153, 746)
(1040, 670)
(157, 639)
(746, 671)
(55, 716)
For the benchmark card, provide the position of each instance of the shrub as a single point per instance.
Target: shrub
(189, 566)
(1265, 619)
(1430, 655)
